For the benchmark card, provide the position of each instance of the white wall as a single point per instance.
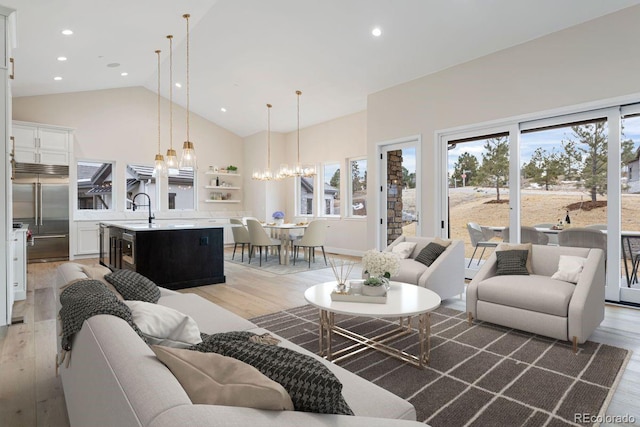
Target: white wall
(121, 125)
(593, 61)
(333, 141)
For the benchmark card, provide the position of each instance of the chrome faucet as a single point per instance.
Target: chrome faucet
(134, 206)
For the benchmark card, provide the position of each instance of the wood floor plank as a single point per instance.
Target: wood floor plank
(17, 393)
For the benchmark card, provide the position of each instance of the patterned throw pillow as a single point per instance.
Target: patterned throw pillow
(310, 384)
(134, 286)
(430, 253)
(512, 262)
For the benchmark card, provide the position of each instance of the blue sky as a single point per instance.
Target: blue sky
(548, 140)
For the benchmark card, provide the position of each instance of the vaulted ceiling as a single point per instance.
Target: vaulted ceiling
(246, 53)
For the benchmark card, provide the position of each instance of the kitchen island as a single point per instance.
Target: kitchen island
(173, 255)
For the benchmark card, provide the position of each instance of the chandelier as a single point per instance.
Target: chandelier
(299, 169)
(266, 174)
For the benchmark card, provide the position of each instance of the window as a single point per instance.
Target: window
(305, 195)
(181, 194)
(358, 187)
(331, 189)
(94, 188)
(140, 179)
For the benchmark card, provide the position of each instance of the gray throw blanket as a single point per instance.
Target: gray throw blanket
(87, 298)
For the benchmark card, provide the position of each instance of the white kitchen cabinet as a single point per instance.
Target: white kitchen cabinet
(19, 281)
(87, 238)
(36, 143)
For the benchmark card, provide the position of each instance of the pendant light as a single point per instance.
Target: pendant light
(173, 168)
(188, 159)
(159, 168)
(299, 169)
(266, 174)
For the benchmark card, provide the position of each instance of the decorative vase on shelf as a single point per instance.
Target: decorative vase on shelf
(279, 221)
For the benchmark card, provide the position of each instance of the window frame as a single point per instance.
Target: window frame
(74, 180)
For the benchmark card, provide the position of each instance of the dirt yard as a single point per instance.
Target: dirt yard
(468, 205)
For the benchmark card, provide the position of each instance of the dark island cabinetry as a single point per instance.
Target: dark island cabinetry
(172, 258)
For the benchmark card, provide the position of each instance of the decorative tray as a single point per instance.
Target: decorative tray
(352, 295)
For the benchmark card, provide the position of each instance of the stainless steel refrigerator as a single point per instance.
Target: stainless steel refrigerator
(41, 199)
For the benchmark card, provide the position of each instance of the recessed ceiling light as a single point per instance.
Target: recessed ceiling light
(62, 58)
(113, 64)
(57, 78)
(178, 84)
(124, 74)
(224, 110)
(377, 32)
(67, 32)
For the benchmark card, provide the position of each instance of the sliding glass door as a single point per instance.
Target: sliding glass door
(578, 170)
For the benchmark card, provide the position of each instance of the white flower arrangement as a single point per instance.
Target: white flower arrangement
(380, 264)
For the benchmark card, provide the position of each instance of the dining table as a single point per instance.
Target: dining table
(283, 232)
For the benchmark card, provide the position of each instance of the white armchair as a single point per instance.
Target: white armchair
(537, 303)
(445, 276)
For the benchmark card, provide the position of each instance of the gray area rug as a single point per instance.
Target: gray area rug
(479, 375)
(272, 265)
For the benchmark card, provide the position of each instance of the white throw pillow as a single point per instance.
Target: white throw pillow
(569, 268)
(404, 249)
(163, 325)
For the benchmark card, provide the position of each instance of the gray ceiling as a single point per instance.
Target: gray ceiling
(245, 53)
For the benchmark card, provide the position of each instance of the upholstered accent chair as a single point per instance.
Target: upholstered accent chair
(445, 276)
(537, 302)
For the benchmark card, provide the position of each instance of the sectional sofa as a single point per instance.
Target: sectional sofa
(113, 378)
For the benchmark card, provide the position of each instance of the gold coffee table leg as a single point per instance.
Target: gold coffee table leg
(424, 331)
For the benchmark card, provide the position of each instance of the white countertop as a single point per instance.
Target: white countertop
(167, 224)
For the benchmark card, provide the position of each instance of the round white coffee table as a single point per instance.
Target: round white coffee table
(404, 301)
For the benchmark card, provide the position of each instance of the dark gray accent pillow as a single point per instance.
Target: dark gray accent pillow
(430, 253)
(134, 286)
(310, 384)
(513, 262)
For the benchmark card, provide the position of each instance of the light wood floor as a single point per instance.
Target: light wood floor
(31, 394)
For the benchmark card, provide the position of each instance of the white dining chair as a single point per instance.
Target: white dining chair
(314, 237)
(240, 237)
(259, 238)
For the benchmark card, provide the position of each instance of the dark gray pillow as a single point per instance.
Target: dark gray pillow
(430, 253)
(310, 384)
(134, 286)
(513, 262)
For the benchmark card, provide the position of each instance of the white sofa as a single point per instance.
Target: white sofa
(445, 276)
(114, 378)
(537, 303)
